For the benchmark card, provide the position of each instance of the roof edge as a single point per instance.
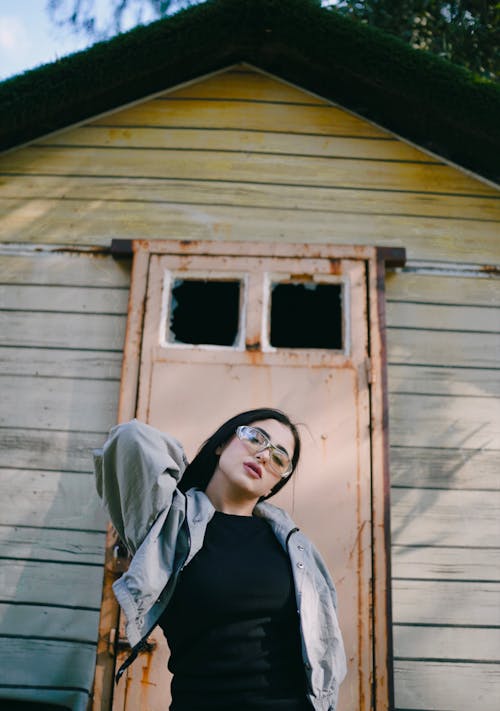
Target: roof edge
(429, 101)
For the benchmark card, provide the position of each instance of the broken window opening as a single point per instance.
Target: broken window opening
(306, 315)
(204, 312)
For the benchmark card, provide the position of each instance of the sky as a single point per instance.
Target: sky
(28, 38)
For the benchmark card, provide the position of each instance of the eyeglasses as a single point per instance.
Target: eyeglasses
(256, 441)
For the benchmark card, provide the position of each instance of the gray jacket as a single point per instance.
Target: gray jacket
(137, 472)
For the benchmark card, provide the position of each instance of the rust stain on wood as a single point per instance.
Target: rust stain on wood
(335, 267)
(490, 269)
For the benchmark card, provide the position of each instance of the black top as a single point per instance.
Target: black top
(232, 624)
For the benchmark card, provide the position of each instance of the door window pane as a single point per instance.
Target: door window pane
(306, 315)
(204, 312)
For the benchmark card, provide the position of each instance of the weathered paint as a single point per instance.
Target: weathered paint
(140, 680)
(452, 242)
(239, 170)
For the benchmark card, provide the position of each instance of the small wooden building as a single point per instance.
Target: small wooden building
(281, 124)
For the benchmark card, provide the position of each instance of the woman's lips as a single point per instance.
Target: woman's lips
(254, 469)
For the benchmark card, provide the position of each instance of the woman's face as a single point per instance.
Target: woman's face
(248, 474)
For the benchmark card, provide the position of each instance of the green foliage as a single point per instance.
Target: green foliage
(463, 31)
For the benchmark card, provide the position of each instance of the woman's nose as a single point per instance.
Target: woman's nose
(263, 455)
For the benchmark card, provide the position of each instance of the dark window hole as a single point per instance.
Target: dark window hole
(306, 315)
(204, 312)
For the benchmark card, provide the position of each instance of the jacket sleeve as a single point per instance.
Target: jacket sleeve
(136, 472)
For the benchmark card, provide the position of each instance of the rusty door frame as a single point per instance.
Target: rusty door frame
(376, 259)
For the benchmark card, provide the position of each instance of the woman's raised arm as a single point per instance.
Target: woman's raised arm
(136, 472)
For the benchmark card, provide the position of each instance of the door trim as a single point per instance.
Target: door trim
(377, 260)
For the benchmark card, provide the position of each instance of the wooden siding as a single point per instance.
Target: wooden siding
(243, 156)
(59, 377)
(238, 156)
(445, 427)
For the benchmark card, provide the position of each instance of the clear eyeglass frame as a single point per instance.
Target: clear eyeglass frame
(256, 441)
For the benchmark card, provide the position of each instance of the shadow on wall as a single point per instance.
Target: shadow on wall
(60, 401)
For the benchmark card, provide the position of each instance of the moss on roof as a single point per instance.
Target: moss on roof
(434, 103)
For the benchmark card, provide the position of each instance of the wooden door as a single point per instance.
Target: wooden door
(232, 331)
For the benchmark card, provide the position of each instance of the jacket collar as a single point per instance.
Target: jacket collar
(278, 519)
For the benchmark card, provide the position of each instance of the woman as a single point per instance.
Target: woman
(221, 571)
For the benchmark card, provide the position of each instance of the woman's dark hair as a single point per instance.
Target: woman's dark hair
(199, 472)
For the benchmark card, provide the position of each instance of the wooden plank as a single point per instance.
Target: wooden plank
(442, 381)
(380, 495)
(289, 169)
(103, 689)
(235, 140)
(50, 583)
(444, 468)
(50, 498)
(292, 197)
(465, 643)
(58, 403)
(437, 316)
(75, 221)
(46, 449)
(54, 622)
(232, 84)
(71, 269)
(430, 421)
(127, 403)
(169, 220)
(446, 686)
(451, 349)
(64, 298)
(19, 542)
(60, 363)
(446, 603)
(446, 518)
(442, 562)
(444, 289)
(244, 115)
(44, 664)
(59, 330)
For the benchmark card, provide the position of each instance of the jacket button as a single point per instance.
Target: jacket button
(300, 548)
(300, 565)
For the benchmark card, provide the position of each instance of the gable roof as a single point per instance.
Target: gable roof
(435, 104)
